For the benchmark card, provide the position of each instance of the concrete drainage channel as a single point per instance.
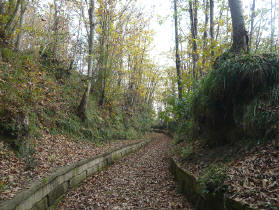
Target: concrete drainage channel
(43, 194)
(188, 184)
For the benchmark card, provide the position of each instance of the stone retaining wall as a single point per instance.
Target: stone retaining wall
(188, 184)
(44, 194)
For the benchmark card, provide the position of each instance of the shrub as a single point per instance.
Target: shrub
(23, 89)
(186, 151)
(225, 97)
(212, 181)
(47, 93)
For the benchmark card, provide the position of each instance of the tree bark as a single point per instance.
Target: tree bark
(218, 25)
(212, 27)
(193, 10)
(56, 22)
(252, 23)
(12, 17)
(84, 101)
(272, 27)
(240, 37)
(206, 2)
(21, 22)
(177, 56)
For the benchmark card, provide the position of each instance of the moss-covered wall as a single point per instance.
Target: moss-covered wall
(188, 184)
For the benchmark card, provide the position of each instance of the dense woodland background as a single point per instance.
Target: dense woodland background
(84, 69)
(53, 52)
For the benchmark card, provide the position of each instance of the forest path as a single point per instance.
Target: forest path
(139, 181)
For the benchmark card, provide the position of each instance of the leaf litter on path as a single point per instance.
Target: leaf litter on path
(139, 181)
(52, 152)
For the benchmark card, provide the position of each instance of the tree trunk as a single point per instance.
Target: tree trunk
(83, 104)
(206, 2)
(272, 27)
(12, 17)
(218, 25)
(212, 27)
(258, 36)
(56, 22)
(177, 56)
(21, 22)
(240, 37)
(106, 27)
(193, 10)
(252, 23)
(82, 108)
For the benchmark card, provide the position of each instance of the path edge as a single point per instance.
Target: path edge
(43, 194)
(188, 185)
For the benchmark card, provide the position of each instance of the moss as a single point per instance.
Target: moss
(44, 180)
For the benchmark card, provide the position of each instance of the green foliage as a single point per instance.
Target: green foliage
(27, 152)
(70, 126)
(212, 180)
(177, 116)
(2, 185)
(22, 88)
(223, 103)
(186, 151)
(48, 94)
(56, 68)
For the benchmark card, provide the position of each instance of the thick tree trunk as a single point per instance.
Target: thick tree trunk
(177, 56)
(240, 37)
(84, 102)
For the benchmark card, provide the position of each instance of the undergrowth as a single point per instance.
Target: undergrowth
(212, 180)
(40, 94)
(237, 99)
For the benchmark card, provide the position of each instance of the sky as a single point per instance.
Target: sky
(164, 33)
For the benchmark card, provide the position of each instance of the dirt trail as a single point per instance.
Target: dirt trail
(139, 181)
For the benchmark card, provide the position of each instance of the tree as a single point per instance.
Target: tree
(12, 16)
(212, 26)
(84, 101)
(240, 37)
(23, 7)
(55, 27)
(8, 14)
(252, 23)
(193, 10)
(177, 56)
(272, 29)
(206, 2)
